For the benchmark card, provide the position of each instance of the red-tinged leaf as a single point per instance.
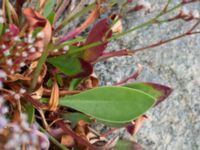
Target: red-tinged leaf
(91, 18)
(71, 35)
(87, 69)
(35, 20)
(164, 90)
(158, 91)
(71, 66)
(99, 33)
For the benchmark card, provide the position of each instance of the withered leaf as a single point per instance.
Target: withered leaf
(54, 99)
(35, 20)
(134, 127)
(67, 140)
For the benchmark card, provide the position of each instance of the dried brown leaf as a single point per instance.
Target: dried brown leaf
(82, 130)
(15, 77)
(38, 93)
(16, 115)
(42, 5)
(67, 140)
(54, 99)
(117, 28)
(136, 125)
(47, 92)
(35, 20)
(94, 80)
(91, 18)
(30, 72)
(91, 82)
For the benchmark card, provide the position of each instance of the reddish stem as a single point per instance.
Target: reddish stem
(132, 77)
(119, 53)
(187, 33)
(34, 102)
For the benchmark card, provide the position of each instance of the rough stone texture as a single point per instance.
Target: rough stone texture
(175, 124)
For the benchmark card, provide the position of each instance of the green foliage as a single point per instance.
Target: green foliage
(51, 17)
(145, 88)
(69, 65)
(49, 7)
(127, 145)
(158, 91)
(67, 70)
(74, 118)
(115, 105)
(74, 83)
(30, 111)
(1, 29)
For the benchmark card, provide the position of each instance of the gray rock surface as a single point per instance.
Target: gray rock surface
(175, 124)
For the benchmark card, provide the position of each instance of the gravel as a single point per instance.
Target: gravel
(175, 124)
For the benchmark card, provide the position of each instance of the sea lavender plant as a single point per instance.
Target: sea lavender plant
(50, 96)
(18, 134)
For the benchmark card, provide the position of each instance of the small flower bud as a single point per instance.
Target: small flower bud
(40, 35)
(9, 62)
(66, 48)
(195, 14)
(3, 74)
(185, 11)
(2, 20)
(1, 12)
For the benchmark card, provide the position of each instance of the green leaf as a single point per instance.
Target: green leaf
(127, 145)
(36, 31)
(69, 65)
(51, 17)
(74, 83)
(59, 80)
(158, 91)
(49, 7)
(49, 83)
(115, 105)
(1, 29)
(74, 118)
(30, 111)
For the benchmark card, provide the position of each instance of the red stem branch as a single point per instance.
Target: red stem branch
(119, 53)
(189, 32)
